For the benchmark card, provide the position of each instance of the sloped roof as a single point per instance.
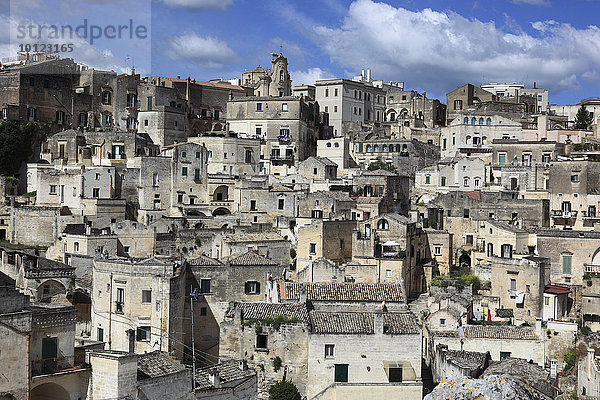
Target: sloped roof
(555, 289)
(250, 258)
(494, 332)
(253, 237)
(228, 371)
(362, 323)
(204, 261)
(323, 160)
(331, 291)
(263, 311)
(378, 172)
(156, 363)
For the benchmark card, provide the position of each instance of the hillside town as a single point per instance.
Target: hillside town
(168, 237)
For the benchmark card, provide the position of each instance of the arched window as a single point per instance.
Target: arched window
(336, 144)
(466, 120)
(76, 246)
(392, 117)
(476, 182)
(376, 148)
(397, 148)
(481, 121)
(382, 224)
(328, 144)
(488, 121)
(466, 181)
(404, 148)
(385, 148)
(368, 148)
(473, 121)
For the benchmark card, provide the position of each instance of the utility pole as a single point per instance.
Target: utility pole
(193, 296)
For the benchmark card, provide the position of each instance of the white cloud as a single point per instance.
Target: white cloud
(200, 4)
(206, 51)
(309, 76)
(533, 2)
(441, 50)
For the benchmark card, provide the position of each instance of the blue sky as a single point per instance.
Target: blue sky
(431, 45)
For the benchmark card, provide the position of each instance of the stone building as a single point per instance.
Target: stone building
(288, 126)
(318, 169)
(328, 239)
(136, 304)
(464, 97)
(337, 149)
(162, 114)
(351, 105)
(228, 380)
(588, 375)
(326, 205)
(520, 285)
(231, 155)
(273, 82)
(473, 133)
(462, 173)
(356, 355)
(409, 108)
(391, 192)
(453, 363)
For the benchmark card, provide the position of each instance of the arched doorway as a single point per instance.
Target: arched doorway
(464, 261)
(49, 289)
(49, 391)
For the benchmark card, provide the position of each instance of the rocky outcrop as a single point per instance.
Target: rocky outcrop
(490, 388)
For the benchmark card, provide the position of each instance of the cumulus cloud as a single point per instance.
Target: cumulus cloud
(206, 51)
(309, 76)
(200, 4)
(430, 49)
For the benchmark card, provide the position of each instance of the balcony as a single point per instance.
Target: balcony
(282, 158)
(119, 307)
(564, 214)
(592, 269)
(52, 365)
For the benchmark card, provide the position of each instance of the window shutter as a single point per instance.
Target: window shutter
(247, 288)
(257, 287)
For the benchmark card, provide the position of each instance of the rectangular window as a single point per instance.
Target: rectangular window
(52, 189)
(547, 301)
(252, 205)
(258, 106)
(575, 178)
(566, 263)
(197, 174)
(395, 374)
(341, 373)
(313, 248)
(155, 179)
(146, 296)
(203, 311)
(445, 142)
(469, 240)
(388, 273)
(326, 92)
(504, 355)
(443, 181)
(442, 321)
(466, 212)
(438, 251)
(334, 108)
(252, 287)
(184, 171)
(513, 284)
(149, 102)
(261, 341)
(284, 107)
(143, 334)
(335, 91)
(458, 104)
(120, 303)
(248, 156)
(506, 251)
(502, 160)
(100, 335)
(281, 204)
(96, 193)
(205, 286)
(329, 350)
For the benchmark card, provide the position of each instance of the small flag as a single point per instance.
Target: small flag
(195, 294)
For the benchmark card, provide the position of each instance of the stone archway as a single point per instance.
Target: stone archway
(49, 391)
(49, 289)
(221, 211)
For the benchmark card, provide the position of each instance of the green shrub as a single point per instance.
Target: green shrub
(570, 358)
(284, 391)
(277, 363)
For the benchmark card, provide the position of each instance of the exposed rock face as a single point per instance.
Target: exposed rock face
(489, 388)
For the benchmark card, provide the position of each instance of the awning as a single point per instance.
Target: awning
(391, 243)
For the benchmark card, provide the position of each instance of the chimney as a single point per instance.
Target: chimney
(591, 354)
(378, 323)
(88, 229)
(369, 75)
(538, 327)
(303, 296)
(214, 378)
(553, 368)
(243, 365)
(535, 85)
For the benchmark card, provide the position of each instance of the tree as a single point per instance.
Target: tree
(284, 391)
(583, 118)
(379, 164)
(16, 145)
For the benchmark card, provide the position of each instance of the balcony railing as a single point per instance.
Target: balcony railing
(119, 306)
(51, 365)
(564, 214)
(284, 157)
(593, 269)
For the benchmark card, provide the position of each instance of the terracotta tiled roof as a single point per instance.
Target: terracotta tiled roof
(204, 261)
(250, 258)
(494, 332)
(228, 371)
(326, 291)
(263, 311)
(363, 323)
(155, 364)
